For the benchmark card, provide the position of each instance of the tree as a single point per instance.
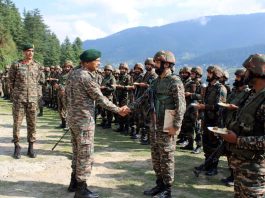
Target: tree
(77, 47)
(67, 52)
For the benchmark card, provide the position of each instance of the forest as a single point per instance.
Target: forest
(17, 29)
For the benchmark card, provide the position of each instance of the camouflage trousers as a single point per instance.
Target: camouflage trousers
(162, 152)
(61, 100)
(83, 149)
(249, 178)
(19, 110)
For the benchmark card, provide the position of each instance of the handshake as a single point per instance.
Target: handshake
(124, 110)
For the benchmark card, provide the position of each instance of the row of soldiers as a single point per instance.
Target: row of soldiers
(123, 87)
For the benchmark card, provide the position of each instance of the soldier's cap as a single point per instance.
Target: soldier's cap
(90, 55)
(27, 46)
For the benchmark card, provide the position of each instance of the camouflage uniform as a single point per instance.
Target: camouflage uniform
(109, 83)
(168, 94)
(144, 116)
(122, 98)
(40, 93)
(248, 156)
(82, 91)
(24, 80)
(6, 86)
(191, 121)
(214, 94)
(61, 98)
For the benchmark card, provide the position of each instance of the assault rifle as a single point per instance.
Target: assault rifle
(66, 131)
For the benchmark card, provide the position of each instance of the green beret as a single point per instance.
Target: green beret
(90, 55)
(27, 46)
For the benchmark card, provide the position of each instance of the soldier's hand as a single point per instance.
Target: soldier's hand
(187, 94)
(231, 137)
(199, 106)
(232, 107)
(124, 110)
(173, 131)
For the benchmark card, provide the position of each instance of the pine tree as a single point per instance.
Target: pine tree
(77, 47)
(67, 51)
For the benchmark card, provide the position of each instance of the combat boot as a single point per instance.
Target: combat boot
(189, 146)
(166, 193)
(73, 184)
(17, 154)
(133, 134)
(155, 190)
(63, 123)
(31, 152)
(41, 112)
(107, 125)
(197, 150)
(83, 192)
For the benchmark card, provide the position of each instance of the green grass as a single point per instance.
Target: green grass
(134, 170)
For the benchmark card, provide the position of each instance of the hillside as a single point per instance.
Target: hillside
(194, 41)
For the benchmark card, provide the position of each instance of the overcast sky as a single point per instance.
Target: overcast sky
(92, 19)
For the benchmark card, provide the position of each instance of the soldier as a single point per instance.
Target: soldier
(214, 94)
(135, 118)
(40, 92)
(46, 88)
(107, 88)
(82, 91)
(237, 97)
(165, 93)
(24, 79)
(148, 77)
(122, 96)
(6, 86)
(60, 87)
(246, 134)
(191, 121)
(116, 74)
(223, 80)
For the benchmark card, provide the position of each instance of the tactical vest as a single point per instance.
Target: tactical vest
(246, 125)
(238, 100)
(210, 99)
(163, 97)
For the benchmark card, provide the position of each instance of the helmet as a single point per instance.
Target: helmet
(186, 70)
(149, 61)
(41, 67)
(216, 70)
(197, 70)
(68, 63)
(52, 67)
(165, 56)
(256, 64)
(226, 75)
(124, 66)
(116, 71)
(57, 67)
(108, 67)
(140, 66)
(240, 72)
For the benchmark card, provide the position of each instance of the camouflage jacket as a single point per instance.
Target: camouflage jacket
(62, 80)
(109, 83)
(168, 94)
(213, 95)
(24, 81)
(82, 91)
